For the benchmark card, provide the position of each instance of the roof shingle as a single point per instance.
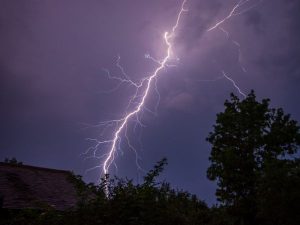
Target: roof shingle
(23, 186)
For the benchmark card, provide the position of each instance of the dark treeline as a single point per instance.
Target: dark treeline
(254, 160)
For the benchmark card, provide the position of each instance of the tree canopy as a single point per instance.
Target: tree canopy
(254, 161)
(148, 203)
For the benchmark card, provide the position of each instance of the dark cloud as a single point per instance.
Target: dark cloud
(201, 15)
(254, 19)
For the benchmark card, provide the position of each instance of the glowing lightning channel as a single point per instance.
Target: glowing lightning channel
(234, 12)
(148, 82)
(234, 84)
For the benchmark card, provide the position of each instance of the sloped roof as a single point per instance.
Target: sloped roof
(23, 186)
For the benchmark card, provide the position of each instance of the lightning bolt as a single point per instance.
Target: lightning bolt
(236, 11)
(147, 84)
(234, 84)
(142, 89)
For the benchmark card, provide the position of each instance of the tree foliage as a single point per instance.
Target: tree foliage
(148, 203)
(12, 161)
(253, 159)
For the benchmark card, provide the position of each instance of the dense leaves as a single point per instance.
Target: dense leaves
(253, 160)
(149, 203)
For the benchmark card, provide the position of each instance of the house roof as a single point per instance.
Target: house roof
(23, 186)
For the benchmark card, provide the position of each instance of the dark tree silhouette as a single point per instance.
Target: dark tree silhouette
(252, 159)
(13, 161)
(149, 203)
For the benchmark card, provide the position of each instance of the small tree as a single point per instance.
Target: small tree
(12, 161)
(249, 141)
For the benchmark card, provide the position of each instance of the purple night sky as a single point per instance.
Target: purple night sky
(52, 56)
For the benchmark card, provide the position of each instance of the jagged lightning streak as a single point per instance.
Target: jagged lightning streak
(234, 84)
(234, 12)
(148, 82)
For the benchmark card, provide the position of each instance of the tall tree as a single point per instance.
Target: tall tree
(249, 142)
